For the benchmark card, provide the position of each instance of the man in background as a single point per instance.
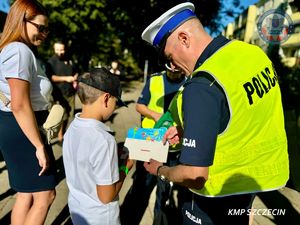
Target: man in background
(115, 68)
(63, 76)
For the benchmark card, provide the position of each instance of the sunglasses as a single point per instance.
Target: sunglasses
(41, 28)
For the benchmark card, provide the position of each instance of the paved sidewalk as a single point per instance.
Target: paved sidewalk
(286, 201)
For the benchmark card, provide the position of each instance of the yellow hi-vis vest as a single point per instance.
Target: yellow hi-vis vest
(175, 108)
(251, 154)
(156, 103)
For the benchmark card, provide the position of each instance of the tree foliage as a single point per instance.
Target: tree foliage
(84, 25)
(99, 31)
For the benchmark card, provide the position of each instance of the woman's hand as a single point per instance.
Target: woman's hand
(43, 159)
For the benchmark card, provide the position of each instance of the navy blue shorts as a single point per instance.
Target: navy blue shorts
(20, 159)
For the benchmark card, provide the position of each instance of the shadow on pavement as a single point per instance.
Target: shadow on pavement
(3, 168)
(60, 169)
(9, 192)
(5, 219)
(63, 216)
(275, 200)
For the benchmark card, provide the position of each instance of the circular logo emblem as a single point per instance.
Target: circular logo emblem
(275, 26)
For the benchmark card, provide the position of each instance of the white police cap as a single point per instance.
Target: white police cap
(167, 23)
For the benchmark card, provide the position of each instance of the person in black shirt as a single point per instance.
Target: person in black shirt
(63, 76)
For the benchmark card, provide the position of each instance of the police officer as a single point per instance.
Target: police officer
(154, 100)
(232, 125)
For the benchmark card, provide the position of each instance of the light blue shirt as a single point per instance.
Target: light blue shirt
(18, 61)
(90, 158)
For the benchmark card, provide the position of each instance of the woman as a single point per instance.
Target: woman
(30, 162)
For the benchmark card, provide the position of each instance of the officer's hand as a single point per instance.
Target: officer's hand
(152, 166)
(172, 135)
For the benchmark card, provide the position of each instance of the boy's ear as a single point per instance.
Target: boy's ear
(106, 97)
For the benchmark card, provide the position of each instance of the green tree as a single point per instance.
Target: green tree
(131, 17)
(99, 31)
(84, 25)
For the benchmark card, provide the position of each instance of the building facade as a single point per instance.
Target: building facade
(245, 27)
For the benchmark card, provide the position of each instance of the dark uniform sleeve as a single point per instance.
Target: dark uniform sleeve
(145, 95)
(204, 113)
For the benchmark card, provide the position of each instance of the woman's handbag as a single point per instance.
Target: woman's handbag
(53, 122)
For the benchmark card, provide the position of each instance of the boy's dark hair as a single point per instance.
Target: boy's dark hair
(87, 94)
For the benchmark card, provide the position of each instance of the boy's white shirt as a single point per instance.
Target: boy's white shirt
(90, 158)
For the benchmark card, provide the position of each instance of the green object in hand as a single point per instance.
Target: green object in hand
(165, 120)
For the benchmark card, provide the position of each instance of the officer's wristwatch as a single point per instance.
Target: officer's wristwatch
(162, 177)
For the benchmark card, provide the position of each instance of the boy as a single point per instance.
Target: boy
(90, 153)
